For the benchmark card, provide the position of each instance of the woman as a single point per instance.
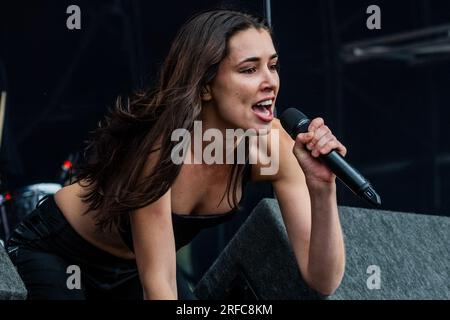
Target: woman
(132, 207)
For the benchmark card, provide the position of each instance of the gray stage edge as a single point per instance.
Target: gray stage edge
(389, 255)
(11, 285)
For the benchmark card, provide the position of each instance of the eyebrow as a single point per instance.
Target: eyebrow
(257, 59)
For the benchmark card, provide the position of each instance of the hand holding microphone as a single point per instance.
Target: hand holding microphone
(311, 145)
(314, 140)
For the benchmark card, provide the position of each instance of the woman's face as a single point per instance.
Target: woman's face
(246, 77)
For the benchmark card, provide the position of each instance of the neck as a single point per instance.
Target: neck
(211, 120)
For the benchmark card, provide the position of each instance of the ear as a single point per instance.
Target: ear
(206, 93)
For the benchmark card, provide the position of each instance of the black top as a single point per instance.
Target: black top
(186, 227)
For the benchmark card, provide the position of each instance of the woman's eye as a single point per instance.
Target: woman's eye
(275, 67)
(249, 70)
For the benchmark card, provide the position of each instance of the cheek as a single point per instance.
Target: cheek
(234, 98)
(233, 110)
(235, 89)
(245, 94)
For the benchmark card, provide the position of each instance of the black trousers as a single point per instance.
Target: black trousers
(55, 262)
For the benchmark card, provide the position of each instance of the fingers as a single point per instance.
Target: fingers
(320, 140)
(342, 149)
(331, 145)
(315, 124)
(319, 133)
(311, 137)
(306, 137)
(325, 142)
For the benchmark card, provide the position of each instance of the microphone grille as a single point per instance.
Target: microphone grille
(290, 119)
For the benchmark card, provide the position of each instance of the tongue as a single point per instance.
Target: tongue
(261, 110)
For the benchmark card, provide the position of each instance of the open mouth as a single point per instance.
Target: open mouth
(264, 110)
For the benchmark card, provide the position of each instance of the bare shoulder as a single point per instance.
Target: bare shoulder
(281, 157)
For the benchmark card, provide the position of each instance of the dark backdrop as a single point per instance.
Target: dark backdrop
(391, 115)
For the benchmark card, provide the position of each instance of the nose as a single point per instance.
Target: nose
(270, 80)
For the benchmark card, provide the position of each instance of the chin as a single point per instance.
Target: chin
(261, 129)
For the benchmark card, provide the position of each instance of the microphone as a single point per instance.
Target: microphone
(295, 122)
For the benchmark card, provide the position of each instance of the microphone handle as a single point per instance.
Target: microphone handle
(351, 177)
(344, 171)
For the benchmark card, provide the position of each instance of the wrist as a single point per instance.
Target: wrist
(320, 188)
(323, 199)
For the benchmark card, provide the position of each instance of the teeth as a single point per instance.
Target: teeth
(265, 103)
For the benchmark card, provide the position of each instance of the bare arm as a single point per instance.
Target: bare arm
(327, 254)
(311, 218)
(155, 249)
(154, 244)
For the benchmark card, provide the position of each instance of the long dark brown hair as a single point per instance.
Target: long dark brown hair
(116, 155)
